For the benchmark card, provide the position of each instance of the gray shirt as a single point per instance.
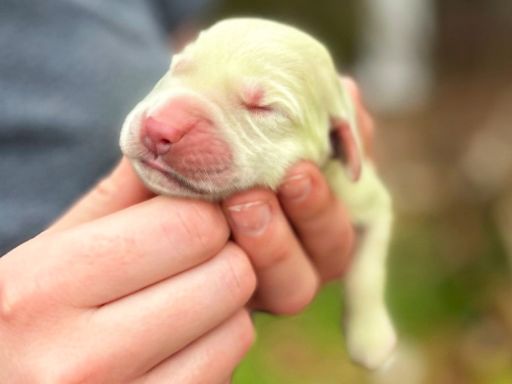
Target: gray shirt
(70, 70)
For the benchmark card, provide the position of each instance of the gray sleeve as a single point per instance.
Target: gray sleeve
(172, 13)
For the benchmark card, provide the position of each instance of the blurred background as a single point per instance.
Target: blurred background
(437, 77)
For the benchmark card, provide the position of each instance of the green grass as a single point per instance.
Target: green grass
(436, 297)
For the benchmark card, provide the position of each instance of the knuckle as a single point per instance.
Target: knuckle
(85, 370)
(10, 304)
(15, 302)
(240, 278)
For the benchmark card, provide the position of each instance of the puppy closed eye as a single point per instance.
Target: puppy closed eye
(266, 111)
(252, 98)
(261, 108)
(256, 108)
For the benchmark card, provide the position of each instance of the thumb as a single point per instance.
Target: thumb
(120, 189)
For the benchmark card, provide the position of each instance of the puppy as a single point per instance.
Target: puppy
(236, 109)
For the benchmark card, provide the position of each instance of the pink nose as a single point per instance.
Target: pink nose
(168, 124)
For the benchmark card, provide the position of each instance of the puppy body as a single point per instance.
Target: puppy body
(237, 108)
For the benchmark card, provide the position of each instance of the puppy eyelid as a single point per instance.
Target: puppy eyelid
(259, 108)
(253, 99)
(267, 110)
(255, 102)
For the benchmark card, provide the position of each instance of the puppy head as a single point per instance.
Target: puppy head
(238, 106)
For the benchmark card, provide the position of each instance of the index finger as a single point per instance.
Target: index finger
(105, 259)
(364, 119)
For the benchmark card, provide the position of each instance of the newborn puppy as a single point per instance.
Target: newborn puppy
(237, 108)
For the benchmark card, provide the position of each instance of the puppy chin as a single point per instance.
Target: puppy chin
(164, 184)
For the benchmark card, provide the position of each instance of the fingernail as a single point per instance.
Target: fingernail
(296, 187)
(252, 218)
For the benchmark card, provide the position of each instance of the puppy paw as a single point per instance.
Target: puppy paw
(370, 340)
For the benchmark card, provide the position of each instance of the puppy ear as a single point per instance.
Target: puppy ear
(344, 146)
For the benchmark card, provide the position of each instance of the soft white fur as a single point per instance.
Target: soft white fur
(302, 85)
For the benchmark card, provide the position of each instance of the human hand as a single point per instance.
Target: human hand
(122, 290)
(51, 286)
(300, 237)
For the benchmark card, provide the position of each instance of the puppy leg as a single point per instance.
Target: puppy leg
(369, 331)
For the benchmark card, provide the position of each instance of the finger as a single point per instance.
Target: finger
(210, 359)
(319, 218)
(364, 120)
(121, 189)
(162, 319)
(116, 255)
(287, 281)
